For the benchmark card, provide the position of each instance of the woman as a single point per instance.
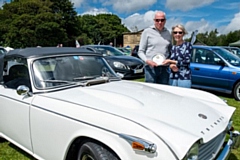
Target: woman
(179, 61)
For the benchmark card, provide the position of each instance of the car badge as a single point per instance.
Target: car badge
(202, 116)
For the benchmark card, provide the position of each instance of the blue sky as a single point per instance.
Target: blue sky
(201, 15)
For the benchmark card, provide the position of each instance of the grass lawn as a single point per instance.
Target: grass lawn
(9, 151)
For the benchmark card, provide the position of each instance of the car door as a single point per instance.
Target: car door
(207, 71)
(14, 116)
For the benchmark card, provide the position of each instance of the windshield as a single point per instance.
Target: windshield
(70, 70)
(228, 56)
(110, 51)
(236, 51)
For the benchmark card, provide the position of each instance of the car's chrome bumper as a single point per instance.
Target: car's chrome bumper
(233, 142)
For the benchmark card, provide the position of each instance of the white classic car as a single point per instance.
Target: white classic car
(68, 104)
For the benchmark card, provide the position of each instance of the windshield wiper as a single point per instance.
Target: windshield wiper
(64, 82)
(57, 81)
(86, 77)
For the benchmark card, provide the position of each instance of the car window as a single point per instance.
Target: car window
(228, 56)
(110, 51)
(199, 56)
(205, 56)
(16, 73)
(211, 58)
(236, 51)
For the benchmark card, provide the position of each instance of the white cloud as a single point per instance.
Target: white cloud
(127, 6)
(77, 3)
(187, 4)
(138, 22)
(232, 26)
(202, 26)
(95, 11)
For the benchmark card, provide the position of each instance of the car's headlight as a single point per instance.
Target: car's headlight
(193, 152)
(120, 65)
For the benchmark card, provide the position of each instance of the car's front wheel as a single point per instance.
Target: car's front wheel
(236, 91)
(94, 151)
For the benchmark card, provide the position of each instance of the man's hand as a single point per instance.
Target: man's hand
(151, 63)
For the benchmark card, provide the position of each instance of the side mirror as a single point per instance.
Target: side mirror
(23, 90)
(221, 62)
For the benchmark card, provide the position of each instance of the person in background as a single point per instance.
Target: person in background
(60, 45)
(111, 44)
(179, 61)
(155, 40)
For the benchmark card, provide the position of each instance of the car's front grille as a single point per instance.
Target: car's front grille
(138, 66)
(208, 151)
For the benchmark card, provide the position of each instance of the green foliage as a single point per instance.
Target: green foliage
(102, 28)
(30, 23)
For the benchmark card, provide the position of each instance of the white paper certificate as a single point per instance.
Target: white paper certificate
(158, 58)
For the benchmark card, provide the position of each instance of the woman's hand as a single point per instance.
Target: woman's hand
(166, 62)
(173, 67)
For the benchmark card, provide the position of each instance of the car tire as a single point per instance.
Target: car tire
(236, 91)
(94, 151)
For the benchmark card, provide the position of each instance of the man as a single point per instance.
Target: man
(155, 40)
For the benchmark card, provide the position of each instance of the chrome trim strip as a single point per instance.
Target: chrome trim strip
(15, 99)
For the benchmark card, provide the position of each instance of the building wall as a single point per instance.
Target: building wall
(131, 38)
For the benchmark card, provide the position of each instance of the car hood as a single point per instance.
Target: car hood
(188, 113)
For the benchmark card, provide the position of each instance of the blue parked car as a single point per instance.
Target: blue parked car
(214, 68)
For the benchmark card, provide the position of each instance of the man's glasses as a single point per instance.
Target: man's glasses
(178, 32)
(159, 20)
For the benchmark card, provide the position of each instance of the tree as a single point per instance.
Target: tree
(102, 28)
(28, 23)
(212, 38)
(67, 19)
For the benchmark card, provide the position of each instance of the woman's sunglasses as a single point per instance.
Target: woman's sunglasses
(178, 32)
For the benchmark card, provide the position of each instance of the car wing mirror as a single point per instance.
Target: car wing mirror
(23, 90)
(221, 62)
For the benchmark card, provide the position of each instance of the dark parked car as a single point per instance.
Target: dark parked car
(124, 50)
(215, 68)
(234, 50)
(134, 52)
(128, 66)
